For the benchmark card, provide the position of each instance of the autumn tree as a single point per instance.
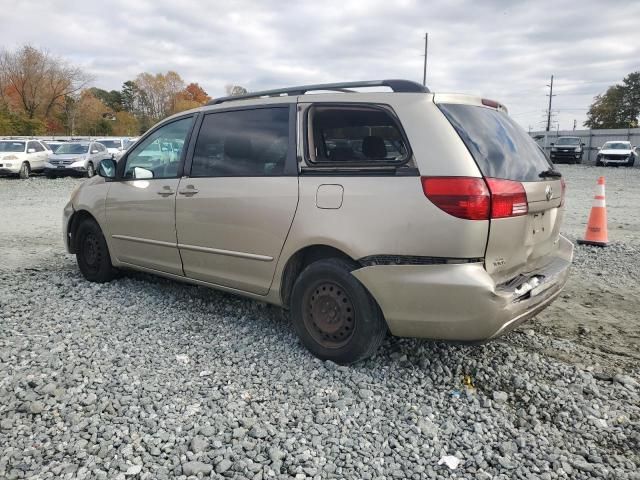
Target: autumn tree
(618, 107)
(158, 93)
(192, 96)
(126, 124)
(33, 81)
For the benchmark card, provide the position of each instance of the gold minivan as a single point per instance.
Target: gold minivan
(361, 212)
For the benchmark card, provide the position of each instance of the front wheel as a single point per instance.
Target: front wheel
(334, 315)
(24, 171)
(92, 253)
(91, 171)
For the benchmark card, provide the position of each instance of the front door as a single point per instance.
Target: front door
(234, 210)
(140, 205)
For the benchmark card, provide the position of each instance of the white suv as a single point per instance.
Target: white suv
(21, 157)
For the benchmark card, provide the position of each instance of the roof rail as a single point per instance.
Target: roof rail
(400, 86)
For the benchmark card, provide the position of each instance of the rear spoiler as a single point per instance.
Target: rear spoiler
(468, 100)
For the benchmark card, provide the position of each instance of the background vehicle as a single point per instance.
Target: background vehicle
(616, 153)
(429, 215)
(114, 146)
(22, 157)
(76, 158)
(127, 144)
(567, 150)
(53, 145)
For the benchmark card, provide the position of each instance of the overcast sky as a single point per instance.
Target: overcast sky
(502, 49)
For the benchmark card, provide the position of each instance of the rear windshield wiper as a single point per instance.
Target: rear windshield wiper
(551, 173)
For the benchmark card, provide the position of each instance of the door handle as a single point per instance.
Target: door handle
(166, 191)
(189, 190)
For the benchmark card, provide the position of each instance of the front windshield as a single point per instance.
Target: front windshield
(72, 148)
(110, 143)
(11, 146)
(616, 146)
(568, 141)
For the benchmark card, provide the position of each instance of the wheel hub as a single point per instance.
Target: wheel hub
(329, 315)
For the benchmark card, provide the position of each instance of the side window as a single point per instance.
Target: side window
(354, 134)
(36, 146)
(158, 156)
(41, 147)
(243, 143)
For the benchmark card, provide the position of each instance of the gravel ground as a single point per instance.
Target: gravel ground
(147, 378)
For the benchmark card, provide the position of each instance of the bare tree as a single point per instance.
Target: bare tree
(37, 80)
(159, 93)
(235, 90)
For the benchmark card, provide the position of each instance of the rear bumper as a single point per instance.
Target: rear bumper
(461, 302)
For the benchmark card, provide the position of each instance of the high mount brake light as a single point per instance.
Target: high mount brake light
(473, 198)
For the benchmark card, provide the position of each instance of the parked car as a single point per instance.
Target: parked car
(22, 157)
(616, 153)
(76, 158)
(453, 234)
(567, 150)
(114, 145)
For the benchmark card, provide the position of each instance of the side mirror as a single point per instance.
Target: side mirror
(107, 168)
(142, 173)
(31, 150)
(552, 144)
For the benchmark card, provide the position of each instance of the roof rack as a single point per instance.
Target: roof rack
(399, 86)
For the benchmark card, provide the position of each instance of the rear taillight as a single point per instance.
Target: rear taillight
(462, 197)
(508, 198)
(473, 198)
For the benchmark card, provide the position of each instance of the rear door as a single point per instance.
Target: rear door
(503, 150)
(234, 210)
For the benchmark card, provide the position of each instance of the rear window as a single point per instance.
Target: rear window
(499, 146)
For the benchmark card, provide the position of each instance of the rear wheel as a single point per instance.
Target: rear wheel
(24, 171)
(92, 253)
(334, 315)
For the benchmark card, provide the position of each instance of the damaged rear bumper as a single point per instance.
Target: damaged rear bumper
(461, 302)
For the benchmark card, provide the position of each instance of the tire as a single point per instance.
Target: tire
(598, 163)
(91, 171)
(24, 171)
(333, 313)
(92, 253)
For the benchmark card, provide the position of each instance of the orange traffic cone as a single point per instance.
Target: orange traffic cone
(597, 225)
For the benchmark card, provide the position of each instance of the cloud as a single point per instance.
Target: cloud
(499, 49)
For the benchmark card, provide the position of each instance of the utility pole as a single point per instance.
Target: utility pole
(574, 124)
(424, 73)
(551, 95)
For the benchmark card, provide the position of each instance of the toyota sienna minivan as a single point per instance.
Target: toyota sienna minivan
(419, 214)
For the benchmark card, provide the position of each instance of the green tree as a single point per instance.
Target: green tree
(112, 99)
(618, 107)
